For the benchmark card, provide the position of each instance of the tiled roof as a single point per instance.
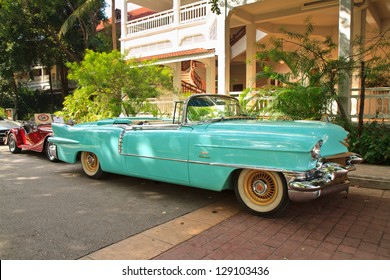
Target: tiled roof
(131, 15)
(178, 54)
(139, 13)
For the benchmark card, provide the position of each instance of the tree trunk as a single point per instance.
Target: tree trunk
(113, 25)
(16, 99)
(64, 81)
(51, 91)
(362, 98)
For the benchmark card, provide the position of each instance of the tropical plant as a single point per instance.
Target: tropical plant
(110, 85)
(313, 74)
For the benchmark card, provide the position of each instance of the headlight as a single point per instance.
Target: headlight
(315, 152)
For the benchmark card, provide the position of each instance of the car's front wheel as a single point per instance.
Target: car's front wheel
(50, 151)
(262, 192)
(91, 165)
(12, 145)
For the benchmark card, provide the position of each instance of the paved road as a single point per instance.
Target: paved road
(52, 211)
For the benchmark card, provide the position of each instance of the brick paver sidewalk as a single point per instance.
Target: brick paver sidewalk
(340, 227)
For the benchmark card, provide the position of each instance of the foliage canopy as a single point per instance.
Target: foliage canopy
(109, 85)
(45, 33)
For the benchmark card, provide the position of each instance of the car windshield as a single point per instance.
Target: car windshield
(202, 108)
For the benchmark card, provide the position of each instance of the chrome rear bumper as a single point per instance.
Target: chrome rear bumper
(53, 151)
(327, 178)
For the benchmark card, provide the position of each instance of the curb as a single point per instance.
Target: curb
(371, 176)
(370, 183)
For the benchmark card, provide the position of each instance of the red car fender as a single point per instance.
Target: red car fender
(20, 136)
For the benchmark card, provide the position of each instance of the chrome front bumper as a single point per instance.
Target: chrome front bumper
(328, 177)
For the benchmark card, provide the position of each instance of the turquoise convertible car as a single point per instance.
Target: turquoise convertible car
(210, 144)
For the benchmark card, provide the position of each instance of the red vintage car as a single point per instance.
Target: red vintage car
(33, 136)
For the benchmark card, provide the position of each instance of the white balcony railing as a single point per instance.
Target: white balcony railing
(193, 12)
(151, 22)
(376, 103)
(188, 13)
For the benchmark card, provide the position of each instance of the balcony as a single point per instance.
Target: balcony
(187, 14)
(187, 27)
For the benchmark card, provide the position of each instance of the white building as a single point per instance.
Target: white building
(216, 53)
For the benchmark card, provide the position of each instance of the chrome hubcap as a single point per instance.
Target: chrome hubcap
(259, 187)
(90, 160)
(12, 144)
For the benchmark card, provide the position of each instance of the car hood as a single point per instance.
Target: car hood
(294, 127)
(307, 133)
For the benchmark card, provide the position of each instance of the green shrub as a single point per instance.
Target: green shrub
(374, 143)
(292, 102)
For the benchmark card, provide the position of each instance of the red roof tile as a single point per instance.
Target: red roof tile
(139, 13)
(131, 15)
(178, 54)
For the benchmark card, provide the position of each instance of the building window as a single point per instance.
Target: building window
(238, 87)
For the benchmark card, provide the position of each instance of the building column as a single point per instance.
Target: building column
(223, 52)
(176, 12)
(359, 30)
(176, 66)
(210, 75)
(250, 55)
(174, 37)
(123, 24)
(345, 33)
(42, 74)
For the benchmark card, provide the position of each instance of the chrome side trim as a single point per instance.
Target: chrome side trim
(233, 166)
(153, 157)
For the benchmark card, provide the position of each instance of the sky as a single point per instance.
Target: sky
(118, 5)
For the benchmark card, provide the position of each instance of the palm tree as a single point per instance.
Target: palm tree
(83, 9)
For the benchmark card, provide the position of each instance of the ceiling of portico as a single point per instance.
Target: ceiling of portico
(270, 15)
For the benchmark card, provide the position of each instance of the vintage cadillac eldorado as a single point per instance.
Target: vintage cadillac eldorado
(210, 144)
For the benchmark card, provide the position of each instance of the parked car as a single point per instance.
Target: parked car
(33, 136)
(5, 126)
(210, 144)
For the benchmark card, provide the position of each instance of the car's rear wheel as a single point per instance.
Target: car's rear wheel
(91, 165)
(12, 145)
(262, 192)
(50, 151)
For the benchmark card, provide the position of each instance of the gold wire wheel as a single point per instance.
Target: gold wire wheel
(261, 187)
(261, 191)
(90, 163)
